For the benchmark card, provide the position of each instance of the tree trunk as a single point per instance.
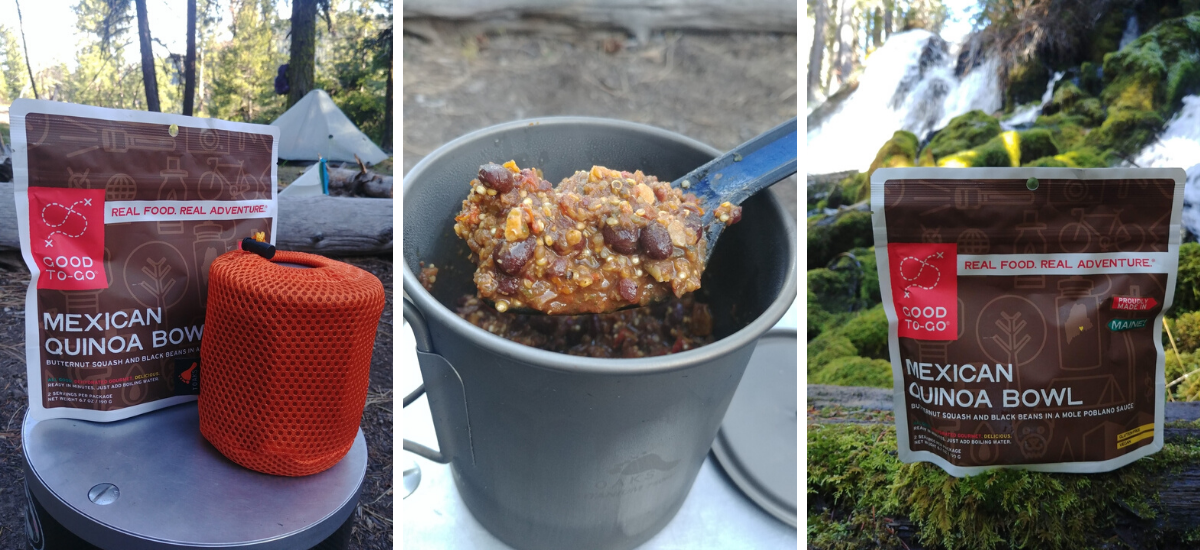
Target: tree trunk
(817, 53)
(189, 61)
(301, 65)
(148, 78)
(877, 29)
(387, 113)
(888, 8)
(845, 56)
(25, 46)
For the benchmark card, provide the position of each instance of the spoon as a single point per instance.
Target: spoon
(732, 177)
(740, 173)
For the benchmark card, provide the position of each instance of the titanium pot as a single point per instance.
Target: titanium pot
(552, 451)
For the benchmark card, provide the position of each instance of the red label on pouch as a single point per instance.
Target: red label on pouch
(66, 236)
(1133, 303)
(925, 289)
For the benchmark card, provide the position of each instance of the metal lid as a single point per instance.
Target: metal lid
(757, 441)
(152, 481)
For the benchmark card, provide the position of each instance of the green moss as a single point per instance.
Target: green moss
(1090, 78)
(830, 346)
(1080, 158)
(1036, 143)
(1154, 72)
(1187, 287)
(1187, 331)
(1026, 83)
(1125, 132)
(898, 152)
(853, 371)
(830, 236)
(855, 480)
(964, 132)
(869, 333)
(1005, 150)
(850, 190)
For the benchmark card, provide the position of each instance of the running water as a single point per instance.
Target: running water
(1179, 147)
(1024, 116)
(908, 84)
(1131, 32)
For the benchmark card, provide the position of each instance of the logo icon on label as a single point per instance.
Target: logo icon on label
(924, 281)
(66, 236)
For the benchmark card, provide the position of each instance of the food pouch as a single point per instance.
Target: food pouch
(1025, 311)
(119, 215)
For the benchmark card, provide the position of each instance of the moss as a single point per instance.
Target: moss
(898, 152)
(1005, 150)
(1125, 132)
(1091, 79)
(829, 236)
(869, 333)
(1187, 331)
(1026, 83)
(850, 190)
(965, 131)
(853, 371)
(1154, 72)
(830, 346)
(1187, 287)
(1080, 158)
(854, 481)
(1071, 100)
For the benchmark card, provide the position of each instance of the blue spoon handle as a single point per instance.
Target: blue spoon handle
(742, 172)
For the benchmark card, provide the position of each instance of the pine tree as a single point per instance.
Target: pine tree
(245, 67)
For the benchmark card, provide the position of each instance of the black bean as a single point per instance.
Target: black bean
(511, 257)
(507, 285)
(496, 177)
(621, 239)
(656, 241)
(558, 267)
(628, 289)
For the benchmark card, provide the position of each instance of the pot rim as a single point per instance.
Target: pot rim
(427, 306)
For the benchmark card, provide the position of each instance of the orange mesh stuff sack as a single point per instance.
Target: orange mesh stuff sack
(286, 358)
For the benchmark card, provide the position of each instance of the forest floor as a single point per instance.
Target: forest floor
(718, 88)
(373, 517)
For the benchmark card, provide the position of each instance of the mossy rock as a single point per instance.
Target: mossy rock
(1154, 72)
(849, 190)
(1069, 130)
(856, 487)
(1187, 331)
(1005, 150)
(829, 346)
(1071, 100)
(869, 333)
(1079, 158)
(854, 371)
(1091, 75)
(965, 131)
(852, 468)
(899, 152)
(1125, 132)
(1026, 83)
(1187, 287)
(1106, 34)
(829, 236)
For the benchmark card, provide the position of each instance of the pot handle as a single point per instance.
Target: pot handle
(449, 419)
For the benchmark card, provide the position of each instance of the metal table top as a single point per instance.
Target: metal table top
(715, 515)
(174, 489)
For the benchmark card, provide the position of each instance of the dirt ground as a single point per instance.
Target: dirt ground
(718, 88)
(372, 519)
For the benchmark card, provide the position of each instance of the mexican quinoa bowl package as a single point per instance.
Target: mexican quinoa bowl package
(1025, 311)
(119, 215)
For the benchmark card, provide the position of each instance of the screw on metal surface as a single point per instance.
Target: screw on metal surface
(1031, 184)
(104, 494)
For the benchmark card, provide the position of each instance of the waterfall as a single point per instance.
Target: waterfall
(1179, 147)
(908, 84)
(1131, 32)
(1024, 116)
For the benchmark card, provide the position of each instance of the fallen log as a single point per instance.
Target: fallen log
(337, 226)
(1152, 503)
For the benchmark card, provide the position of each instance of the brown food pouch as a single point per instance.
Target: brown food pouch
(1025, 312)
(119, 214)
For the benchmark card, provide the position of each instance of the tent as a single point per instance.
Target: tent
(314, 127)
